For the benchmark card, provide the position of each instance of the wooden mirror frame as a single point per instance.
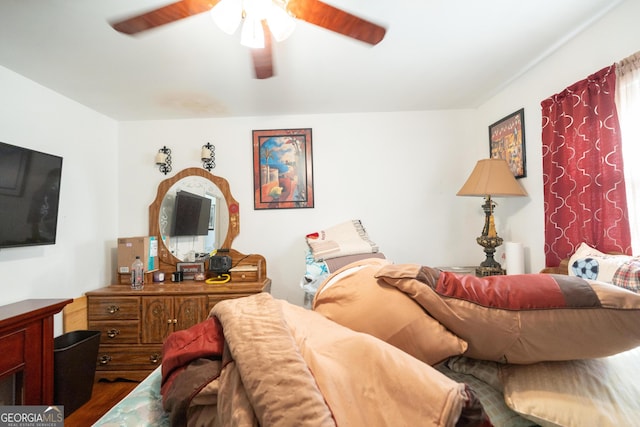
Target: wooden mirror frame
(233, 229)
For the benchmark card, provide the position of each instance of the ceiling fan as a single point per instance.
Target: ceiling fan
(312, 11)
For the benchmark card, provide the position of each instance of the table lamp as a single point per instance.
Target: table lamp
(490, 177)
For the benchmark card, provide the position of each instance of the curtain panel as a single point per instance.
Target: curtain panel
(583, 175)
(628, 105)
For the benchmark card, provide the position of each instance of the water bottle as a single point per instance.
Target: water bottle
(137, 274)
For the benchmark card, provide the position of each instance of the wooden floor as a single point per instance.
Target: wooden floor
(105, 394)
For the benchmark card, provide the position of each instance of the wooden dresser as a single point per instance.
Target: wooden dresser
(134, 324)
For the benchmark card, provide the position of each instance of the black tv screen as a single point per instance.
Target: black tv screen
(29, 196)
(191, 215)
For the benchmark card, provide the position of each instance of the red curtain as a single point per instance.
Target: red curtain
(584, 190)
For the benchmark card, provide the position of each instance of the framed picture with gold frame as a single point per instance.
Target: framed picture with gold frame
(506, 141)
(282, 169)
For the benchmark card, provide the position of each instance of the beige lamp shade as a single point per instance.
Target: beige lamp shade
(491, 177)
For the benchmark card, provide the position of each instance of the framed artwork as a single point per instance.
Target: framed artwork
(190, 269)
(282, 169)
(506, 141)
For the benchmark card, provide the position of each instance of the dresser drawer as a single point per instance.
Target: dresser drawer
(113, 357)
(116, 331)
(108, 308)
(244, 276)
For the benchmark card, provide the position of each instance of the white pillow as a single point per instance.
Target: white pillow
(590, 263)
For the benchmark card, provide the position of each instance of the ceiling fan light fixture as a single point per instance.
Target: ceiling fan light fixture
(281, 23)
(252, 34)
(256, 8)
(257, 18)
(227, 15)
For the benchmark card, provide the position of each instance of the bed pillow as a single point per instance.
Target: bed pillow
(354, 298)
(595, 392)
(525, 318)
(620, 270)
(628, 275)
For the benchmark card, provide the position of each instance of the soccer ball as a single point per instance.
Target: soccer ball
(587, 268)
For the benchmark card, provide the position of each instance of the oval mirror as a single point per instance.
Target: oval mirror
(192, 214)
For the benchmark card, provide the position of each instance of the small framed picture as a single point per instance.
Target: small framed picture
(506, 141)
(190, 269)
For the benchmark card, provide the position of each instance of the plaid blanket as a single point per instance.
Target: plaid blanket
(628, 275)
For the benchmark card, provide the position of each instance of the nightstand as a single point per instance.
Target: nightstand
(475, 270)
(490, 271)
(460, 270)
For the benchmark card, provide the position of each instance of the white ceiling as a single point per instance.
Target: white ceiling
(437, 54)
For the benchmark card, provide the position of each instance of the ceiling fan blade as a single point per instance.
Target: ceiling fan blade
(164, 15)
(262, 58)
(337, 20)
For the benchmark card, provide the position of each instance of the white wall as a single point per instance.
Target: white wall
(34, 117)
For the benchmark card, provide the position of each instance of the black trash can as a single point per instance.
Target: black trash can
(75, 355)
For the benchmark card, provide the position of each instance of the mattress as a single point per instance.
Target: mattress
(141, 407)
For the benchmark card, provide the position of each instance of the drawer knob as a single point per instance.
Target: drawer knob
(113, 309)
(104, 359)
(154, 358)
(112, 333)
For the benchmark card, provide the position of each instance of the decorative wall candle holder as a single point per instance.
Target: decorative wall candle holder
(163, 160)
(208, 156)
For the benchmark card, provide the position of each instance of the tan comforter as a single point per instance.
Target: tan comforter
(287, 366)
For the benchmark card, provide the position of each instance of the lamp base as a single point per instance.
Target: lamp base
(489, 240)
(490, 271)
(489, 266)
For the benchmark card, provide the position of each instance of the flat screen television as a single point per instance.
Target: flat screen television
(191, 215)
(29, 196)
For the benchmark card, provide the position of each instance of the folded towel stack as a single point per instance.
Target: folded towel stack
(348, 238)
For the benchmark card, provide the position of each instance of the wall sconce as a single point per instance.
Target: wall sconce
(163, 160)
(208, 156)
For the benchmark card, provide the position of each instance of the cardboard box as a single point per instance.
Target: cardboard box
(146, 247)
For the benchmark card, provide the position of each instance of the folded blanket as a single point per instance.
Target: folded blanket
(190, 361)
(348, 238)
(524, 318)
(335, 264)
(286, 366)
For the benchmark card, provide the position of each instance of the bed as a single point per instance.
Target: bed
(401, 344)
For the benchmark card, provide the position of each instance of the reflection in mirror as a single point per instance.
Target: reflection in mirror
(220, 222)
(193, 218)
